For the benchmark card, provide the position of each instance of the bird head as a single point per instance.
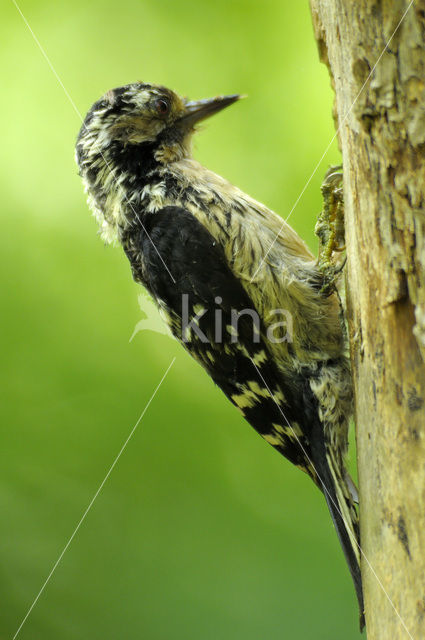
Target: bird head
(128, 133)
(145, 119)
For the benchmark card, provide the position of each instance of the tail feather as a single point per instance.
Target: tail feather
(345, 518)
(332, 481)
(345, 503)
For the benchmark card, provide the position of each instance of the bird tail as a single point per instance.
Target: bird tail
(333, 482)
(346, 521)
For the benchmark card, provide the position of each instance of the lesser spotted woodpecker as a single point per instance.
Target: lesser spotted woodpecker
(230, 278)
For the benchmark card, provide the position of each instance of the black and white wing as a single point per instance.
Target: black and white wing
(201, 306)
(183, 267)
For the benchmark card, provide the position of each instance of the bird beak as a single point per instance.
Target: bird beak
(200, 109)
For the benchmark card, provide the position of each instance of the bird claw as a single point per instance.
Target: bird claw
(330, 229)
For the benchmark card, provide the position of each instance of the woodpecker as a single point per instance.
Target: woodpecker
(211, 255)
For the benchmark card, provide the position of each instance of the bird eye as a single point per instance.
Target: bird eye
(162, 106)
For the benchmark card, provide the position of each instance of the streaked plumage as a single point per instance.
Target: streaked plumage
(187, 231)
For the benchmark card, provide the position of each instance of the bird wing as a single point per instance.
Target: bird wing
(283, 410)
(208, 293)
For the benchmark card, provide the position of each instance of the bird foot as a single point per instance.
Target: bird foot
(330, 229)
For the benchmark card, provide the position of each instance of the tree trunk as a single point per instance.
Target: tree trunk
(376, 58)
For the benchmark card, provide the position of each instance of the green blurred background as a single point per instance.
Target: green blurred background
(202, 529)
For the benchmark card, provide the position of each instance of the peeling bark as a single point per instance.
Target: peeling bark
(380, 112)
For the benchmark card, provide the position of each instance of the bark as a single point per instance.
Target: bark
(381, 122)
